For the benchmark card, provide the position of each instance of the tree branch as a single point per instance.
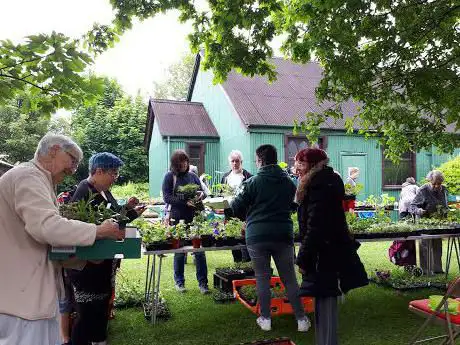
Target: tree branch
(27, 82)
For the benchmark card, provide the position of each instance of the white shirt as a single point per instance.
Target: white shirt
(235, 180)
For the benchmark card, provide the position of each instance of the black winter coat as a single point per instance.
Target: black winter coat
(328, 253)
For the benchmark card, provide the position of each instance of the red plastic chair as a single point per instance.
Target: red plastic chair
(439, 316)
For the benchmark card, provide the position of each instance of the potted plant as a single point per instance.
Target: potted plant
(218, 232)
(177, 234)
(195, 236)
(153, 234)
(233, 231)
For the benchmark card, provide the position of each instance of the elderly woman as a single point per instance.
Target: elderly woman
(181, 209)
(29, 223)
(431, 200)
(235, 178)
(93, 285)
(267, 200)
(327, 257)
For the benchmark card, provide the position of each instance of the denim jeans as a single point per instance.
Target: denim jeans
(201, 269)
(283, 255)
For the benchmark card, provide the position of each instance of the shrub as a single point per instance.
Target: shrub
(451, 171)
(139, 190)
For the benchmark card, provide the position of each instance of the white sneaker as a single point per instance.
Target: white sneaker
(180, 288)
(264, 324)
(303, 325)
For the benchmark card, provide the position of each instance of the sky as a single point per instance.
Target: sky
(141, 57)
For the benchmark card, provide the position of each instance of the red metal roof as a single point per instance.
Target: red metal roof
(287, 99)
(180, 118)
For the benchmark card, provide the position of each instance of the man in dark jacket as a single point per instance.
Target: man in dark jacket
(234, 178)
(266, 200)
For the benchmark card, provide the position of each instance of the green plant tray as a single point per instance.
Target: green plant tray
(129, 248)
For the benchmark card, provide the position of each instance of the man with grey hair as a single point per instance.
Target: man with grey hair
(234, 178)
(29, 223)
(431, 200)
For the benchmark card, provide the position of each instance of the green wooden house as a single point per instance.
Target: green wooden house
(243, 113)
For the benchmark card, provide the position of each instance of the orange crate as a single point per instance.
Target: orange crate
(278, 306)
(278, 341)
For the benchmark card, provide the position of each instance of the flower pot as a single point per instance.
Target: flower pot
(207, 240)
(176, 243)
(220, 242)
(196, 242)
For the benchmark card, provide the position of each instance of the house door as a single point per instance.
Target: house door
(195, 152)
(355, 160)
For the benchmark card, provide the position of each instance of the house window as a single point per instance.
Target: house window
(394, 174)
(294, 144)
(195, 152)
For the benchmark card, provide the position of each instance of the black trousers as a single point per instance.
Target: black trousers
(241, 255)
(91, 322)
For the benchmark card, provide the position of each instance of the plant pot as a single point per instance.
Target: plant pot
(176, 243)
(220, 242)
(207, 240)
(196, 242)
(158, 245)
(231, 241)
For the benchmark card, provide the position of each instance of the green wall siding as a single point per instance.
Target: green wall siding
(233, 134)
(158, 161)
(257, 139)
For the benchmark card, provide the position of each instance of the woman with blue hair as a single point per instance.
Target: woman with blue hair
(93, 285)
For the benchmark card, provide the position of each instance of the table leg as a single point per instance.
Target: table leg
(449, 254)
(156, 293)
(152, 286)
(147, 287)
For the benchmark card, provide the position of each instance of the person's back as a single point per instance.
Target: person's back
(269, 217)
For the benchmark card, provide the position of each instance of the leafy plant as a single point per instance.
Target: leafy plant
(249, 293)
(452, 304)
(179, 230)
(222, 189)
(188, 190)
(234, 227)
(151, 232)
(84, 211)
(140, 190)
(353, 190)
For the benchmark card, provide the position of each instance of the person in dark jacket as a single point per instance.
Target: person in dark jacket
(266, 199)
(94, 284)
(327, 257)
(182, 209)
(431, 200)
(235, 178)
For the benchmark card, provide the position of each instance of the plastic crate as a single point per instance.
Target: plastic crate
(129, 248)
(278, 341)
(224, 282)
(278, 306)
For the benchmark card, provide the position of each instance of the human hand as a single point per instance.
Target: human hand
(190, 203)
(199, 195)
(109, 229)
(140, 209)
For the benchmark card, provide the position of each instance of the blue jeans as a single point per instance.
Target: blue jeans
(283, 255)
(201, 269)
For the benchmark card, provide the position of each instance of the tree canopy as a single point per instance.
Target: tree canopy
(178, 80)
(114, 124)
(399, 59)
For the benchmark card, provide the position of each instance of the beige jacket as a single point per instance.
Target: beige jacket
(29, 223)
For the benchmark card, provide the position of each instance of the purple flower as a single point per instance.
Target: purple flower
(215, 231)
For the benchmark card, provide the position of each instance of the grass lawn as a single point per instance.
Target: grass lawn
(370, 315)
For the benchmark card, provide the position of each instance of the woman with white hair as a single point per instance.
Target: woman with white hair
(29, 224)
(431, 200)
(235, 178)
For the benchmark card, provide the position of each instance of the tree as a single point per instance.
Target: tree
(178, 80)
(399, 59)
(20, 130)
(115, 124)
(53, 66)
